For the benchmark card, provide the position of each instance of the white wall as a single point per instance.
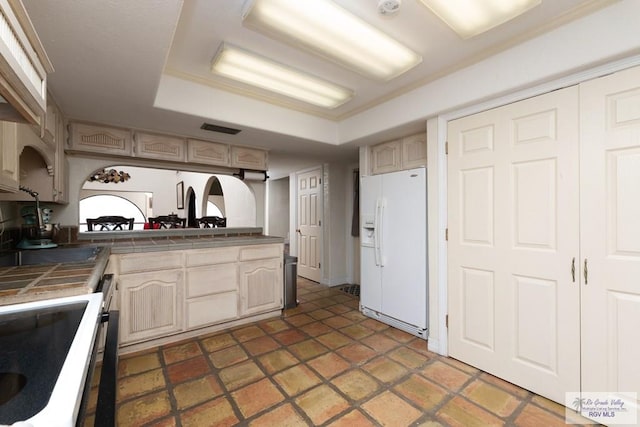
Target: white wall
(278, 208)
(160, 182)
(602, 36)
(243, 210)
(338, 245)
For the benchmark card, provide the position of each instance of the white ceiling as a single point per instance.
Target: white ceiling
(112, 56)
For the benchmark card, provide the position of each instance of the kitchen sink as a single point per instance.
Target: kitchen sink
(49, 256)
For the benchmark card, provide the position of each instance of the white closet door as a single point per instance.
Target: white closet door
(610, 232)
(513, 232)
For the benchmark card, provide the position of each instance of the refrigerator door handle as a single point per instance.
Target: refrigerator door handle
(376, 228)
(379, 234)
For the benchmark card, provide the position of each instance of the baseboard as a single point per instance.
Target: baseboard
(398, 324)
(433, 345)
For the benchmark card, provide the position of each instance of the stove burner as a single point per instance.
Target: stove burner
(11, 384)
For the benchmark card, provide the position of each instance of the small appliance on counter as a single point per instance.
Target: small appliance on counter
(37, 231)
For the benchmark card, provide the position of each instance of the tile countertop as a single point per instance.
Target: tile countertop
(36, 282)
(123, 242)
(43, 281)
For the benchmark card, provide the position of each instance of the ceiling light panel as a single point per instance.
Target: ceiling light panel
(332, 32)
(250, 68)
(469, 18)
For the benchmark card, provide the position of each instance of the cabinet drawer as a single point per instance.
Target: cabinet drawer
(212, 279)
(211, 256)
(211, 309)
(261, 252)
(134, 263)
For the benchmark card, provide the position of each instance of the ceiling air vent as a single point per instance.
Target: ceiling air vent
(221, 129)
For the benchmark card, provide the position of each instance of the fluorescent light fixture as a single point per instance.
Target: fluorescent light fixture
(469, 18)
(330, 31)
(255, 70)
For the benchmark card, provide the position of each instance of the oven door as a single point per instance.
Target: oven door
(105, 405)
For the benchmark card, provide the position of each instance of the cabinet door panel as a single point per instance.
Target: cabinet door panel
(150, 304)
(385, 157)
(261, 285)
(248, 158)
(161, 147)
(100, 139)
(414, 151)
(209, 153)
(9, 157)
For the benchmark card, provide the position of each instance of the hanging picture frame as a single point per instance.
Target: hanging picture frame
(180, 194)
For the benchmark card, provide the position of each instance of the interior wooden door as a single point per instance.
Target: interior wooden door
(610, 232)
(513, 235)
(309, 223)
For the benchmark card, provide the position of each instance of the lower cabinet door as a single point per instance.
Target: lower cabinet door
(261, 285)
(150, 305)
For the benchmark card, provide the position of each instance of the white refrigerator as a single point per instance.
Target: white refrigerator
(393, 249)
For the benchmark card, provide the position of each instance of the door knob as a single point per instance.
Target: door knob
(297, 230)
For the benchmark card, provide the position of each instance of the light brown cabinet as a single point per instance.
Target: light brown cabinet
(150, 289)
(177, 292)
(208, 153)
(61, 171)
(401, 154)
(49, 130)
(8, 157)
(385, 157)
(24, 66)
(150, 305)
(248, 158)
(211, 286)
(260, 285)
(160, 147)
(100, 139)
(414, 151)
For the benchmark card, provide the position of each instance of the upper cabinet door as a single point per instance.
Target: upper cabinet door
(162, 147)
(414, 151)
(8, 157)
(208, 153)
(24, 66)
(100, 139)
(385, 157)
(248, 158)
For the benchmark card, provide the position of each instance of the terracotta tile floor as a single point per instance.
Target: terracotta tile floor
(322, 363)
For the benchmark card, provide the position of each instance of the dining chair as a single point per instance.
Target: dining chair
(167, 221)
(212, 221)
(109, 223)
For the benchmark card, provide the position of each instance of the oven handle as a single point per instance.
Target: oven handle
(106, 408)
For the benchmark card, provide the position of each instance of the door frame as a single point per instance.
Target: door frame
(293, 214)
(438, 190)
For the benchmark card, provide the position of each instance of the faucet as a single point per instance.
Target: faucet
(34, 194)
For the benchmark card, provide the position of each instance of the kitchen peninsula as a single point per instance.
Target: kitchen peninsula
(177, 283)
